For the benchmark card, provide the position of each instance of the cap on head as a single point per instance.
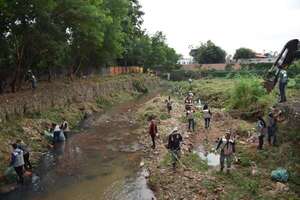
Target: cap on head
(175, 129)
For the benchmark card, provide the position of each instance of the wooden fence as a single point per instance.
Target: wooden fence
(116, 70)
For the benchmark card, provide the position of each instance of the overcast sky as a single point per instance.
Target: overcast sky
(256, 24)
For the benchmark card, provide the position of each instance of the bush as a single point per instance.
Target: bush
(139, 86)
(294, 69)
(297, 81)
(248, 95)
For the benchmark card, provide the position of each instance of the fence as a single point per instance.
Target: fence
(116, 70)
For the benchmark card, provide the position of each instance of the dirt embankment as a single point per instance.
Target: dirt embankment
(60, 94)
(27, 114)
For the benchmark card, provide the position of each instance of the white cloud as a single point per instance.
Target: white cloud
(257, 24)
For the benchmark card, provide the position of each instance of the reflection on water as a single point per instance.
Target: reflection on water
(102, 162)
(212, 159)
(131, 188)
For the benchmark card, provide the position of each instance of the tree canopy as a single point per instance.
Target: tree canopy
(46, 35)
(243, 53)
(208, 53)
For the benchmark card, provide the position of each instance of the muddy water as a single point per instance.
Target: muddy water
(101, 162)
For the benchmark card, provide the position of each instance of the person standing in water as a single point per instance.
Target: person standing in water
(26, 154)
(17, 161)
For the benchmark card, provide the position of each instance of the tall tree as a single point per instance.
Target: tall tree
(243, 53)
(208, 53)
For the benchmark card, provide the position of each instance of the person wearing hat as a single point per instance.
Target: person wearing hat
(227, 146)
(153, 131)
(174, 141)
(17, 162)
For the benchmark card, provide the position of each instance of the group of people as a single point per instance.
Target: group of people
(268, 128)
(20, 156)
(60, 132)
(190, 110)
(226, 144)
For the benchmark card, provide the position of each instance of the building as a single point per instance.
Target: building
(186, 61)
(259, 58)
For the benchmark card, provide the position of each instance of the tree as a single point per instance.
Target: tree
(243, 53)
(208, 53)
(45, 35)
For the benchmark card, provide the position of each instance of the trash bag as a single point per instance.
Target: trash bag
(280, 174)
(48, 136)
(10, 175)
(62, 136)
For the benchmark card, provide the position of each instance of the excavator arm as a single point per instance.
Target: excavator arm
(289, 53)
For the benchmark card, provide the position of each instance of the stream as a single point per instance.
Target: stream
(101, 162)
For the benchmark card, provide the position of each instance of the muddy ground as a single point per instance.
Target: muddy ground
(198, 176)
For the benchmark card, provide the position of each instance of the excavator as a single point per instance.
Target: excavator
(289, 53)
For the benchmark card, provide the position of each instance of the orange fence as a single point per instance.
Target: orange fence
(115, 70)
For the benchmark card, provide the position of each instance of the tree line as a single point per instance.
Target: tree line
(70, 35)
(208, 53)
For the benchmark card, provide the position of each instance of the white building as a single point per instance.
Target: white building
(186, 61)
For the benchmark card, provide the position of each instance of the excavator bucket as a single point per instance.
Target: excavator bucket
(284, 59)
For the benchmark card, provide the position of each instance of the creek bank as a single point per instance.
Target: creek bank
(196, 179)
(25, 116)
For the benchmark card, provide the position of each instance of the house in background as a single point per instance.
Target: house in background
(259, 58)
(186, 61)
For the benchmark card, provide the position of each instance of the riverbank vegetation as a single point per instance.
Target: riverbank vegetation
(74, 38)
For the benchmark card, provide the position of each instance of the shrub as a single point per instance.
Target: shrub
(294, 69)
(248, 95)
(297, 81)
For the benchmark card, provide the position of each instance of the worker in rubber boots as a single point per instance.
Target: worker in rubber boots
(283, 80)
(227, 146)
(153, 131)
(17, 162)
(174, 141)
